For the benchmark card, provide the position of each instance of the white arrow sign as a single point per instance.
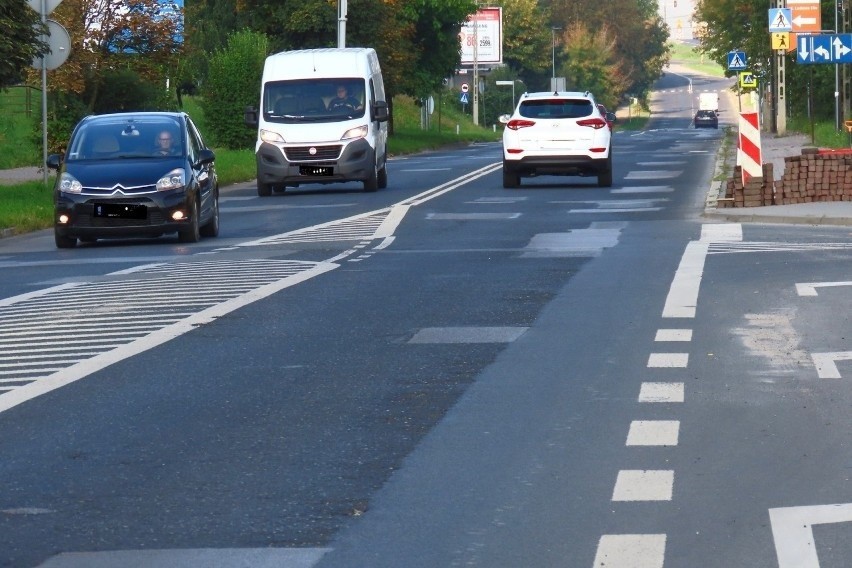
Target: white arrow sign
(826, 365)
(810, 288)
(823, 52)
(803, 21)
(839, 49)
(793, 532)
(803, 48)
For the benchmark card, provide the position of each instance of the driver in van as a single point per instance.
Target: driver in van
(344, 101)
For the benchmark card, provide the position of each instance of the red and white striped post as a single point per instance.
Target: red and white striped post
(749, 154)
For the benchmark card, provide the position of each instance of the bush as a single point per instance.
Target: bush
(232, 84)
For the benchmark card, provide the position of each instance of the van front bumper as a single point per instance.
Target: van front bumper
(318, 163)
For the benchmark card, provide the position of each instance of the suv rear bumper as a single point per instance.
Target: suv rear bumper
(557, 165)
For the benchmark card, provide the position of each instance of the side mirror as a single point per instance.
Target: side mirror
(206, 156)
(610, 117)
(380, 111)
(54, 161)
(504, 118)
(250, 117)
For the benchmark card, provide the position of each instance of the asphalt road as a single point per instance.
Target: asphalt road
(442, 373)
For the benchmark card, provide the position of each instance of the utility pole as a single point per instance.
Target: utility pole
(475, 85)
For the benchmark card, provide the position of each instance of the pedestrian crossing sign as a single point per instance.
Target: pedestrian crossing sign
(780, 20)
(748, 80)
(736, 60)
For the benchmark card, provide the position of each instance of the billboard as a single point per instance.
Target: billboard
(483, 31)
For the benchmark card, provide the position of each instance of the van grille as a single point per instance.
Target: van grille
(303, 153)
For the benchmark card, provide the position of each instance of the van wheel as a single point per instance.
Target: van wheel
(264, 189)
(372, 182)
(383, 177)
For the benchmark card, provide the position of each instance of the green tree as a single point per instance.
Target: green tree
(592, 64)
(232, 84)
(527, 40)
(20, 41)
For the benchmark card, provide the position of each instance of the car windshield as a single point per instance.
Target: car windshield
(314, 100)
(556, 108)
(136, 137)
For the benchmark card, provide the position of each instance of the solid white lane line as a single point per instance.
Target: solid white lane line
(631, 551)
(673, 335)
(653, 433)
(825, 363)
(809, 288)
(682, 298)
(722, 232)
(668, 360)
(644, 485)
(792, 530)
(661, 392)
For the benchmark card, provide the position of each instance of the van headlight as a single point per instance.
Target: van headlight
(271, 137)
(175, 179)
(357, 132)
(69, 184)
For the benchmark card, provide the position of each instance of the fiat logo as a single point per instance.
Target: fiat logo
(312, 151)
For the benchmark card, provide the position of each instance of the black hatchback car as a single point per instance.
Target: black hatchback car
(706, 119)
(135, 174)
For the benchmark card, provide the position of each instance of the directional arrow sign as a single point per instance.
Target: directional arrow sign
(824, 48)
(806, 15)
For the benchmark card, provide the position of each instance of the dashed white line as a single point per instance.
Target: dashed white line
(661, 392)
(653, 433)
(644, 485)
(631, 551)
(668, 360)
(673, 335)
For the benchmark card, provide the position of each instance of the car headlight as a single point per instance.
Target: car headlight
(69, 184)
(271, 137)
(175, 179)
(357, 132)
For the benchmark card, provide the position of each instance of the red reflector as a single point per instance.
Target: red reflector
(593, 122)
(514, 150)
(517, 123)
(597, 149)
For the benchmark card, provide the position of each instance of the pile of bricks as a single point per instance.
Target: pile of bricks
(816, 175)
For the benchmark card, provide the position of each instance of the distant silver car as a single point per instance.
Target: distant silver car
(557, 133)
(706, 119)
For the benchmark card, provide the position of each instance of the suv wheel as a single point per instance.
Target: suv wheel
(605, 176)
(510, 179)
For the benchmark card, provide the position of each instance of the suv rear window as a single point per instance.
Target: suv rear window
(556, 108)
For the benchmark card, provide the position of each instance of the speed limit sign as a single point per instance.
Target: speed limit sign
(464, 87)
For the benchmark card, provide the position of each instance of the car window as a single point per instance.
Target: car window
(556, 108)
(122, 138)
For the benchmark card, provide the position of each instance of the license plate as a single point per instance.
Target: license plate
(316, 170)
(121, 211)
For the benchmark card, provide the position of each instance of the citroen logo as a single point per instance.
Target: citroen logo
(312, 151)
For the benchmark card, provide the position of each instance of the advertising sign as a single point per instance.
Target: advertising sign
(485, 31)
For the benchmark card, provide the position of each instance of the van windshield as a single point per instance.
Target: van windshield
(314, 100)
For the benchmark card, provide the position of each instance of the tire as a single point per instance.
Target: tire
(510, 179)
(191, 233)
(382, 181)
(211, 229)
(62, 241)
(372, 182)
(605, 176)
(264, 189)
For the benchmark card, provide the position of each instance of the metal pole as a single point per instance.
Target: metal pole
(342, 10)
(475, 85)
(44, 99)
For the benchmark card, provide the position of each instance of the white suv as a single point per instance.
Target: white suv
(557, 133)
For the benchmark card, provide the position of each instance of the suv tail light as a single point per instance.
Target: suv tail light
(517, 124)
(595, 123)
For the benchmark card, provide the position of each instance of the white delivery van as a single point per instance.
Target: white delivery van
(322, 119)
(708, 101)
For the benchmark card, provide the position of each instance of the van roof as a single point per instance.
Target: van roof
(322, 62)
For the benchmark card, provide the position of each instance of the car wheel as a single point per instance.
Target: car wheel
(605, 176)
(64, 242)
(372, 182)
(383, 177)
(264, 189)
(510, 179)
(191, 233)
(211, 229)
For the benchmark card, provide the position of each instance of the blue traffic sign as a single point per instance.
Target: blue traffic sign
(737, 60)
(463, 98)
(826, 48)
(780, 20)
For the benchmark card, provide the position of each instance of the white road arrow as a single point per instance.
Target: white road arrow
(826, 365)
(823, 52)
(792, 530)
(839, 49)
(810, 288)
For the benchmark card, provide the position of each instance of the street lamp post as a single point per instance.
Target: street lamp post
(553, 49)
